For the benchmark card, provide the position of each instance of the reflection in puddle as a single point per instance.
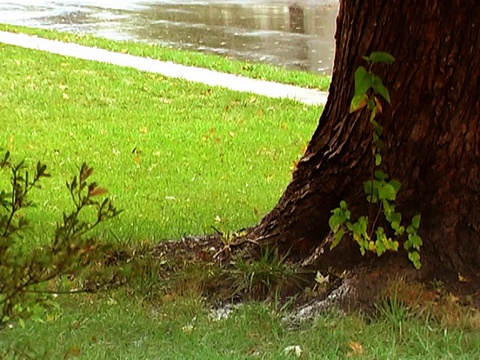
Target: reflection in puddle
(296, 35)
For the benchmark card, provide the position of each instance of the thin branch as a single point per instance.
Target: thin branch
(54, 292)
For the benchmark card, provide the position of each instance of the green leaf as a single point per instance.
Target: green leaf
(411, 229)
(387, 192)
(378, 143)
(395, 218)
(415, 241)
(378, 159)
(414, 257)
(399, 231)
(358, 102)
(337, 237)
(371, 105)
(380, 175)
(371, 190)
(388, 208)
(396, 184)
(381, 241)
(380, 89)
(377, 128)
(362, 225)
(381, 57)
(363, 82)
(380, 232)
(369, 186)
(337, 219)
(416, 221)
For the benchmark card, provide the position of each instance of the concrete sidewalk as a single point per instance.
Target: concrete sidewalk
(209, 77)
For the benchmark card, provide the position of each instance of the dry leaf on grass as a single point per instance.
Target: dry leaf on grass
(356, 349)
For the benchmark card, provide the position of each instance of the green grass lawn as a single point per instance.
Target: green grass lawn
(184, 57)
(178, 157)
(105, 327)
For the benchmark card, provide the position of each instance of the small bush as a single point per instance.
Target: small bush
(27, 276)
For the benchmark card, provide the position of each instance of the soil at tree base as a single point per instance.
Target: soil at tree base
(363, 286)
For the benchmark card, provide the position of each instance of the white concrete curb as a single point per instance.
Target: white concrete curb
(209, 77)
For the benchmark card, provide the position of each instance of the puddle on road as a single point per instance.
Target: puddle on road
(295, 34)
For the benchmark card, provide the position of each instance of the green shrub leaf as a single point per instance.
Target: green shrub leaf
(387, 192)
(380, 89)
(381, 57)
(363, 82)
(337, 237)
(416, 221)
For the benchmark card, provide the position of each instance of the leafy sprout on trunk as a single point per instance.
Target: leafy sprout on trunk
(381, 191)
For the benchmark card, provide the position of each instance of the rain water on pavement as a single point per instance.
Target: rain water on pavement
(297, 34)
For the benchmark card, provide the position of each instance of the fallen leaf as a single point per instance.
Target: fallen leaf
(356, 347)
(293, 350)
(294, 166)
(453, 299)
(168, 298)
(320, 279)
(74, 351)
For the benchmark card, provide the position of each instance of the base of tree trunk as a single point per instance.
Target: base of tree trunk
(368, 287)
(360, 283)
(431, 146)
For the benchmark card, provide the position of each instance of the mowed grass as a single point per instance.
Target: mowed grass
(103, 327)
(185, 57)
(177, 157)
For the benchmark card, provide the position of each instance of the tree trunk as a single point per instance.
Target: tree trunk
(431, 134)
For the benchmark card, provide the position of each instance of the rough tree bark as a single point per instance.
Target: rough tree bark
(432, 134)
